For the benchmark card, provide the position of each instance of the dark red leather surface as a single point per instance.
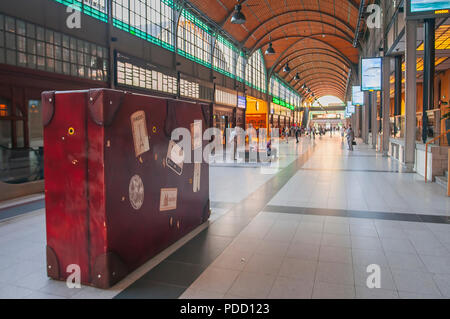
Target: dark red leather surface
(89, 161)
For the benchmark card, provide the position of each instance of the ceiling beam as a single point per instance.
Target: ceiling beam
(296, 67)
(242, 2)
(270, 72)
(258, 44)
(299, 55)
(349, 27)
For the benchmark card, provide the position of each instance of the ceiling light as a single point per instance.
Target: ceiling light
(297, 77)
(238, 17)
(270, 50)
(287, 69)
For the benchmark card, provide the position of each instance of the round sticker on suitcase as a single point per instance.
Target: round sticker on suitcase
(136, 192)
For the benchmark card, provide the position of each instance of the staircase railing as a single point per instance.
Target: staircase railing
(426, 153)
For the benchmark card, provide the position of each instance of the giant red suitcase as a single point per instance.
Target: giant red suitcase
(113, 196)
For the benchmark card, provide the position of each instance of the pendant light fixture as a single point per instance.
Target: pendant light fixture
(238, 17)
(297, 77)
(286, 68)
(270, 50)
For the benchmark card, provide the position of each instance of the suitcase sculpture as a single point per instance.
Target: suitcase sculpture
(114, 195)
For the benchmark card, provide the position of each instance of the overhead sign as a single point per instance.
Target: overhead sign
(357, 96)
(421, 9)
(242, 102)
(371, 74)
(350, 108)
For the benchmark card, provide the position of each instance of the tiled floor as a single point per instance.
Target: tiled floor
(307, 227)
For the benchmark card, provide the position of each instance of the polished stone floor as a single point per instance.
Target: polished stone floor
(308, 226)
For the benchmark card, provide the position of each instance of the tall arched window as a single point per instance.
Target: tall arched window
(225, 55)
(240, 67)
(284, 94)
(194, 39)
(151, 20)
(255, 72)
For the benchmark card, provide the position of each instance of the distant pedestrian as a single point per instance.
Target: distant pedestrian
(297, 133)
(350, 138)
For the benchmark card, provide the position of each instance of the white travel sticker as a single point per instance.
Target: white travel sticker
(168, 199)
(196, 182)
(136, 192)
(196, 134)
(175, 157)
(140, 133)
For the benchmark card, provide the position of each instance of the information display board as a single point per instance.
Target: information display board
(371, 74)
(421, 9)
(351, 108)
(357, 96)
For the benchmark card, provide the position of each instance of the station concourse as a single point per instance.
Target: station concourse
(244, 149)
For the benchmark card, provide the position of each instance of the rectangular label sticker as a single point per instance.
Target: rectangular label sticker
(196, 134)
(175, 157)
(197, 175)
(168, 199)
(140, 134)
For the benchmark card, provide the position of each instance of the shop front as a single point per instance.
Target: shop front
(282, 114)
(240, 111)
(256, 114)
(224, 110)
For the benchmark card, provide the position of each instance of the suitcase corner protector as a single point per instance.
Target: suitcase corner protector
(52, 264)
(108, 269)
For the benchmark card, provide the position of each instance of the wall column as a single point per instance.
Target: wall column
(386, 105)
(357, 127)
(428, 74)
(365, 118)
(374, 116)
(410, 92)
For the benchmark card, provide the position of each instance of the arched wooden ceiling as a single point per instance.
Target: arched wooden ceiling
(315, 37)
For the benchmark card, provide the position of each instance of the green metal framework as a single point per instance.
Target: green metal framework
(167, 24)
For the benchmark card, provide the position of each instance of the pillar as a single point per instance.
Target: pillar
(428, 73)
(386, 105)
(374, 118)
(365, 118)
(357, 126)
(410, 93)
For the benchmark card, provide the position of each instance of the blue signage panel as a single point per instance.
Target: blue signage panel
(242, 102)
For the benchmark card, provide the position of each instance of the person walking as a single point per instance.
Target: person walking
(297, 133)
(350, 137)
(286, 133)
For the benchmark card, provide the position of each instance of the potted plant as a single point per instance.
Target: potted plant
(446, 117)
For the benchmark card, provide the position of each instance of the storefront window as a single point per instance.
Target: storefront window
(189, 89)
(135, 73)
(35, 126)
(27, 45)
